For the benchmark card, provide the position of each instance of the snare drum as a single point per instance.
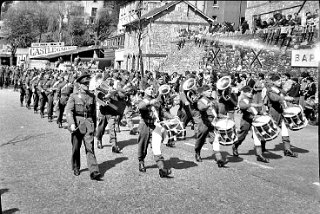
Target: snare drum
(175, 131)
(226, 129)
(294, 117)
(265, 127)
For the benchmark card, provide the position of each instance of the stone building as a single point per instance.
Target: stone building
(161, 27)
(223, 11)
(266, 9)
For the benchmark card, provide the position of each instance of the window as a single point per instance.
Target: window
(94, 12)
(215, 3)
(214, 17)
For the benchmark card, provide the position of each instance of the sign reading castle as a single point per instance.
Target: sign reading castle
(44, 49)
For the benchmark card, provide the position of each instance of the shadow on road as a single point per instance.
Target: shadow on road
(125, 143)
(105, 166)
(19, 139)
(226, 156)
(177, 163)
(279, 147)
(3, 191)
(9, 211)
(268, 154)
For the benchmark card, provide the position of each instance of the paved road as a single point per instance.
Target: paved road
(36, 176)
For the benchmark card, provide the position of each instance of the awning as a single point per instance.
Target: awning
(68, 52)
(5, 55)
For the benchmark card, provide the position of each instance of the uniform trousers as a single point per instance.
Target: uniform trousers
(50, 105)
(22, 94)
(43, 100)
(103, 121)
(61, 106)
(245, 126)
(88, 140)
(35, 100)
(28, 97)
(204, 129)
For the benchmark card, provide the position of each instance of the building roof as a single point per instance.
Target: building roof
(159, 10)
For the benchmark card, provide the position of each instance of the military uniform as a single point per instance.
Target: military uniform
(64, 90)
(42, 88)
(276, 105)
(149, 113)
(81, 112)
(28, 87)
(34, 86)
(248, 112)
(188, 108)
(109, 116)
(208, 109)
(22, 90)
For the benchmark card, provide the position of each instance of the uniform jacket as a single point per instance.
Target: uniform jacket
(148, 116)
(81, 111)
(276, 102)
(207, 107)
(248, 112)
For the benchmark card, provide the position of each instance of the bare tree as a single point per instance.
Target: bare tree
(137, 25)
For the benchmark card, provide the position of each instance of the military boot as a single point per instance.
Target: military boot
(220, 162)
(259, 155)
(287, 148)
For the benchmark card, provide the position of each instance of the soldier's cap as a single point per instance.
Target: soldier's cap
(83, 79)
(246, 89)
(310, 79)
(275, 77)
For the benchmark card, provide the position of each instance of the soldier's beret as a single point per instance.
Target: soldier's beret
(246, 89)
(84, 79)
(275, 78)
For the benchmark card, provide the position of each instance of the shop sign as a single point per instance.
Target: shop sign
(304, 58)
(43, 51)
(47, 44)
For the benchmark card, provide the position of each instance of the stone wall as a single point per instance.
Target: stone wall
(160, 38)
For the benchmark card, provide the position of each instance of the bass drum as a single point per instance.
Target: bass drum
(265, 127)
(226, 129)
(294, 117)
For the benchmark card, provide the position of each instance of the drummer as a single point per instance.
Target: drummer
(276, 104)
(208, 108)
(249, 110)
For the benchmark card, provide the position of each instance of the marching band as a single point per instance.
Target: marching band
(94, 102)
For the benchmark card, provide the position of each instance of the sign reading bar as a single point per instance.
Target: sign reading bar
(43, 51)
(304, 58)
(47, 44)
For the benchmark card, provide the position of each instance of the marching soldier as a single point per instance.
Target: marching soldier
(42, 88)
(208, 112)
(249, 110)
(81, 117)
(151, 111)
(50, 95)
(276, 104)
(28, 87)
(64, 90)
(108, 114)
(35, 92)
(22, 89)
(188, 103)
